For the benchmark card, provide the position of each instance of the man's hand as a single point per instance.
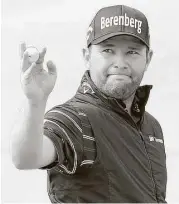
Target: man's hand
(37, 83)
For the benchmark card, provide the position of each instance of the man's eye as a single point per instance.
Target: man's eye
(108, 51)
(132, 52)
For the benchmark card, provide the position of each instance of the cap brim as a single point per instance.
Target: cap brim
(110, 35)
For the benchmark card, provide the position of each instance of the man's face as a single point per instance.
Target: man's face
(117, 65)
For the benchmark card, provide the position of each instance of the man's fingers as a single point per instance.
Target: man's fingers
(41, 56)
(51, 68)
(25, 62)
(22, 49)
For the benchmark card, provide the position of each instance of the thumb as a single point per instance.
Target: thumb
(51, 68)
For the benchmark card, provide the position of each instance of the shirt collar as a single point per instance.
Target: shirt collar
(140, 99)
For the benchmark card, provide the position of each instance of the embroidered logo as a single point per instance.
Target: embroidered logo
(121, 20)
(87, 88)
(90, 30)
(154, 139)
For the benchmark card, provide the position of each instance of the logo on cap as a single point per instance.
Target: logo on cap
(90, 30)
(118, 20)
(121, 20)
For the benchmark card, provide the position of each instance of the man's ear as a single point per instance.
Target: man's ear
(148, 58)
(86, 56)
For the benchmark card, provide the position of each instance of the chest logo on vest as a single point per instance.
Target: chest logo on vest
(154, 139)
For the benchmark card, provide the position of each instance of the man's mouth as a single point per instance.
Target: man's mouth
(119, 75)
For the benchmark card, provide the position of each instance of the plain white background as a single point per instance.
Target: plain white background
(61, 26)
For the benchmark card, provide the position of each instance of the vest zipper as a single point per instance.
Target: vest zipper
(151, 171)
(141, 136)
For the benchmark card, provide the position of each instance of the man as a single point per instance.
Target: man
(101, 145)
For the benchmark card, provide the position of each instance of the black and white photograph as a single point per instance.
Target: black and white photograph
(89, 101)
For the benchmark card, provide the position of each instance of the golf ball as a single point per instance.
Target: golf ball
(33, 54)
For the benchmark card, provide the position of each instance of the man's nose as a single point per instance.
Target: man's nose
(120, 61)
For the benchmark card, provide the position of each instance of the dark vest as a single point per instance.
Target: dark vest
(130, 160)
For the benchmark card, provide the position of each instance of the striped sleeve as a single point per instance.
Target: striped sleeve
(63, 127)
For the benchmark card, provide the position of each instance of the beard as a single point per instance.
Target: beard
(119, 89)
